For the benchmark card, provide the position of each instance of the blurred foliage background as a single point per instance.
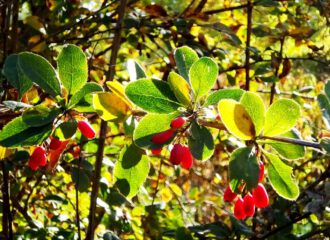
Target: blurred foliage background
(289, 54)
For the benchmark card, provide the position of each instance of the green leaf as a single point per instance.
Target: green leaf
(236, 119)
(13, 105)
(150, 125)
(325, 144)
(135, 70)
(109, 106)
(180, 88)
(184, 58)
(324, 104)
(200, 142)
(40, 115)
(216, 96)
(243, 166)
(280, 177)
(327, 89)
(288, 150)
(203, 75)
(80, 179)
(131, 170)
(152, 96)
(255, 107)
(66, 130)
(281, 116)
(72, 68)
(18, 134)
(85, 90)
(37, 69)
(11, 72)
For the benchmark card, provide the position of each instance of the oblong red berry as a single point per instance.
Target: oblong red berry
(186, 158)
(54, 144)
(239, 212)
(86, 129)
(176, 154)
(229, 195)
(162, 137)
(37, 158)
(248, 204)
(156, 151)
(260, 196)
(177, 123)
(261, 171)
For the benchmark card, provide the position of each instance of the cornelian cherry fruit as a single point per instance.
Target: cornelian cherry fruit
(187, 158)
(176, 154)
(162, 137)
(229, 195)
(38, 158)
(54, 144)
(248, 205)
(156, 151)
(86, 129)
(239, 212)
(260, 196)
(261, 171)
(177, 123)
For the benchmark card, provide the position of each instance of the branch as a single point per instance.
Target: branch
(247, 49)
(280, 228)
(103, 128)
(294, 141)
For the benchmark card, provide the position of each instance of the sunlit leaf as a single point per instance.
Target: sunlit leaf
(180, 88)
(203, 75)
(236, 119)
(275, 122)
(131, 170)
(280, 177)
(216, 96)
(135, 70)
(184, 58)
(72, 68)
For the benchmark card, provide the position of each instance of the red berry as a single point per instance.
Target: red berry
(186, 158)
(176, 154)
(156, 151)
(33, 165)
(86, 129)
(177, 123)
(248, 205)
(38, 158)
(260, 196)
(229, 195)
(239, 212)
(162, 137)
(54, 144)
(261, 171)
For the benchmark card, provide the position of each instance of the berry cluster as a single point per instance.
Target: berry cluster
(38, 157)
(245, 207)
(180, 154)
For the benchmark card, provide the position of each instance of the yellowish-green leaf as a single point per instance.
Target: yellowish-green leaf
(109, 106)
(118, 89)
(236, 119)
(255, 107)
(180, 87)
(281, 116)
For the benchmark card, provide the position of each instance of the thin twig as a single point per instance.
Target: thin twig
(294, 141)
(157, 184)
(247, 49)
(103, 127)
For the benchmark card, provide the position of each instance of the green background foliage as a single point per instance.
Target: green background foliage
(289, 58)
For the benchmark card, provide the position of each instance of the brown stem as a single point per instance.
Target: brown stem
(247, 49)
(103, 127)
(294, 141)
(6, 215)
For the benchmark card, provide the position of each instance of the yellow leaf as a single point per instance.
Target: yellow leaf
(118, 89)
(109, 106)
(166, 195)
(236, 119)
(180, 88)
(4, 152)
